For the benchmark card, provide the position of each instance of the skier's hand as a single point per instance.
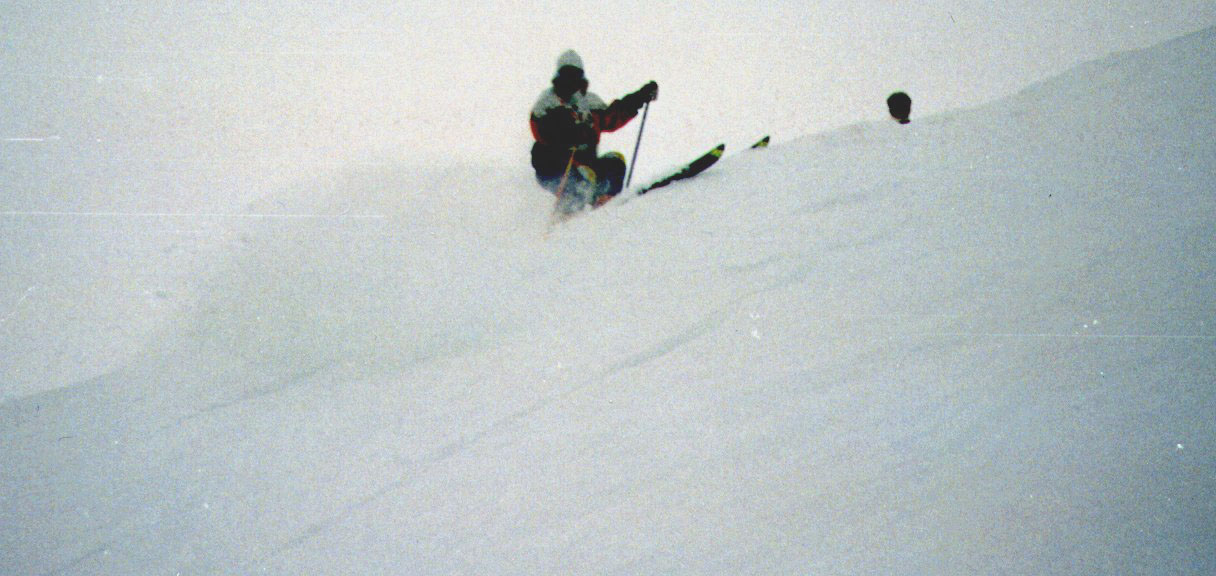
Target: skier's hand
(649, 92)
(645, 94)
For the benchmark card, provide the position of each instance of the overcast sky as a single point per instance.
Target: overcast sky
(256, 88)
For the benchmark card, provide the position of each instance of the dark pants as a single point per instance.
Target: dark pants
(593, 179)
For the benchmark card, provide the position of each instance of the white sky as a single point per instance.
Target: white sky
(249, 91)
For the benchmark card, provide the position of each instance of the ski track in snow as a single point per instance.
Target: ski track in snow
(17, 306)
(417, 469)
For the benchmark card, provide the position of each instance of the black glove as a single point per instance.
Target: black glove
(650, 91)
(645, 94)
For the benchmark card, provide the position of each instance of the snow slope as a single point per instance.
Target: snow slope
(979, 343)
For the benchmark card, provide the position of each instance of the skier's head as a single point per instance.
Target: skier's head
(900, 106)
(569, 77)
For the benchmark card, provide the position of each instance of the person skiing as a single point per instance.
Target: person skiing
(566, 123)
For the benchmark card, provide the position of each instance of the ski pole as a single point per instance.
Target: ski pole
(629, 177)
(557, 214)
(561, 188)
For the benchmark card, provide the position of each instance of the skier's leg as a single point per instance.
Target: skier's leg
(549, 183)
(610, 168)
(579, 191)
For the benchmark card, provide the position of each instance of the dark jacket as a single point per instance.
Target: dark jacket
(559, 125)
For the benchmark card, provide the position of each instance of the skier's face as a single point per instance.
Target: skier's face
(568, 81)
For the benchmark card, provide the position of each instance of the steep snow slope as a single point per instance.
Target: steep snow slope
(980, 343)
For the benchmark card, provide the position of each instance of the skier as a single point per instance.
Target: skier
(567, 121)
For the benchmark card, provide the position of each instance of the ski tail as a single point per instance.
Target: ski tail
(699, 165)
(692, 169)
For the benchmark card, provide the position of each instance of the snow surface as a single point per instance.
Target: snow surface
(979, 343)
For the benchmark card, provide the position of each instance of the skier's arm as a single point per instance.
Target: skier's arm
(620, 112)
(560, 128)
(555, 126)
(616, 115)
